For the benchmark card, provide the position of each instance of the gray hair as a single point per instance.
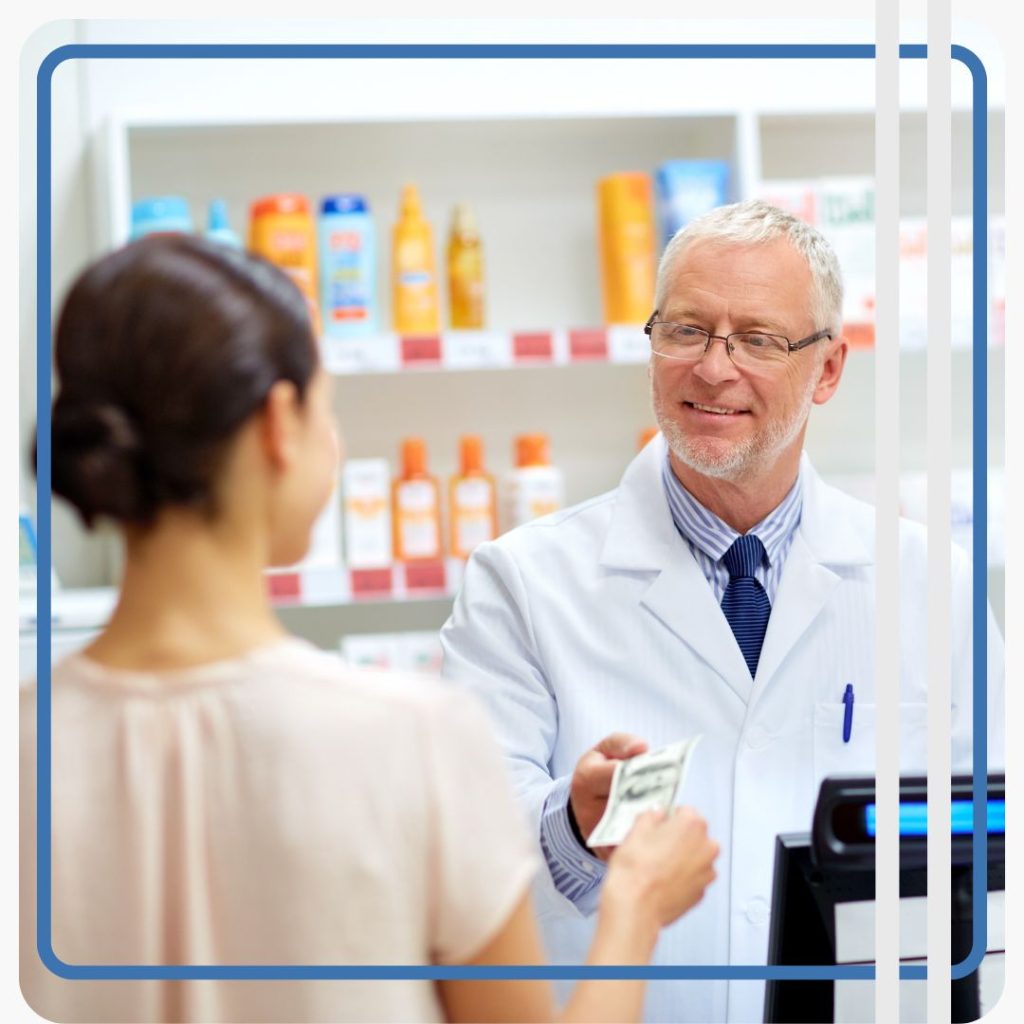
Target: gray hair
(754, 222)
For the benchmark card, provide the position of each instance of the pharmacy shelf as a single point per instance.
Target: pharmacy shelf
(76, 608)
(328, 586)
(485, 350)
(500, 350)
(89, 608)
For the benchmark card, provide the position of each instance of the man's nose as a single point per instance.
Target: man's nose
(716, 366)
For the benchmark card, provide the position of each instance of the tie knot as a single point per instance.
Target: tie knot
(744, 556)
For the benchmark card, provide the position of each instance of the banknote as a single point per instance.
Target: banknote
(643, 783)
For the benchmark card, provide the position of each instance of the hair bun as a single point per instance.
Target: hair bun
(98, 461)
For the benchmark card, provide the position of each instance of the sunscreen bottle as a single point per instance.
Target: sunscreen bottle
(414, 279)
(217, 227)
(348, 265)
(465, 272)
(416, 506)
(472, 506)
(281, 230)
(535, 487)
(626, 221)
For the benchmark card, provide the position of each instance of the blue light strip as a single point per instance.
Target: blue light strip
(914, 818)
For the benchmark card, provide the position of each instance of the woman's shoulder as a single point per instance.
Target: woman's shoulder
(319, 676)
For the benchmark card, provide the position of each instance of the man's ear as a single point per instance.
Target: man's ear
(831, 370)
(279, 426)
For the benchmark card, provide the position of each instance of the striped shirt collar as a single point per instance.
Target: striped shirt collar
(705, 531)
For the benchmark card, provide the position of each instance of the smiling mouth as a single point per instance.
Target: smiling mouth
(715, 409)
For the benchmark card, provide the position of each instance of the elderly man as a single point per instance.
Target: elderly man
(722, 589)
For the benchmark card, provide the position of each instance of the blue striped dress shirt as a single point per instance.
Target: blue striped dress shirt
(708, 537)
(575, 871)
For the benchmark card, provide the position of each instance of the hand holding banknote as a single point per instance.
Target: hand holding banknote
(646, 782)
(592, 780)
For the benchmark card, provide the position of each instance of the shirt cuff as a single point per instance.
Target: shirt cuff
(575, 871)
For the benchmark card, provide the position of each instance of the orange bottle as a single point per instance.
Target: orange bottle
(415, 506)
(627, 247)
(534, 487)
(282, 230)
(473, 501)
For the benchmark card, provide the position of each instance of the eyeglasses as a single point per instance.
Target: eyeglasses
(748, 350)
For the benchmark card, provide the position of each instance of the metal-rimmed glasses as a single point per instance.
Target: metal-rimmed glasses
(749, 350)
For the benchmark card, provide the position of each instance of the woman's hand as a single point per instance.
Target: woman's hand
(662, 868)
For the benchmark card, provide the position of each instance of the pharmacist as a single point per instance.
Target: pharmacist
(724, 590)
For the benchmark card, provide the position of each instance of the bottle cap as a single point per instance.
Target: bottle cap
(410, 203)
(464, 221)
(471, 454)
(344, 202)
(283, 202)
(217, 217)
(645, 436)
(414, 456)
(533, 450)
(161, 213)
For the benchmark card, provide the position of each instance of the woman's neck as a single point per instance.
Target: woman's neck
(193, 592)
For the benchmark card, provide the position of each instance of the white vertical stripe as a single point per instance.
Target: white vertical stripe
(939, 533)
(887, 469)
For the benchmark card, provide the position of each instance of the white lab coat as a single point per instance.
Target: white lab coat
(598, 619)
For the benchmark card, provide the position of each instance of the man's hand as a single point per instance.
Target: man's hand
(592, 781)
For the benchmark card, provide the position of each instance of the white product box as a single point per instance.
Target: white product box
(369, 650)
(399, 652)
(421, 652)
(325, 541)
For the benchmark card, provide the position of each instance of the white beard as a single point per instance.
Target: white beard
(756, 452)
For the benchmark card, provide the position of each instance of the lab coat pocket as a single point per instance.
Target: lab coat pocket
(833, 756)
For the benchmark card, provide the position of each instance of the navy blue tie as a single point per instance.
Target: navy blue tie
(745, 604)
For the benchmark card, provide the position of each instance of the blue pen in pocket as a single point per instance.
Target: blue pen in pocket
(848, 712)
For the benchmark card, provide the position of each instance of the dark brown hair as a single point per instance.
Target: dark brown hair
(164, 348)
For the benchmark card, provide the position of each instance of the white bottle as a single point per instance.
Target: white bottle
(367, 486)
(535, 487)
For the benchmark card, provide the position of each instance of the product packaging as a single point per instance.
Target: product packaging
(161, 215)
(366, 484)
(626, 233)
(465, 272)
(535, 487)
(688, 188)
(416, 506)
(217, 227)
(281, 230)
(348, 267)
(414, 278)
(472, 506)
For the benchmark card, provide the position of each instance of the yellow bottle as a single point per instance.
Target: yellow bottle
(414, 279)
(473, 504)
(465, 272)
(626, 230)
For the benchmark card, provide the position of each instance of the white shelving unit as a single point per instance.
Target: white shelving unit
(527, 158)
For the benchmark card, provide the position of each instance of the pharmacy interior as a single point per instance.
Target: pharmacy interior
(479, 262)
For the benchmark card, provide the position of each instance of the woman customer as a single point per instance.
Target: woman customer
(223, 793)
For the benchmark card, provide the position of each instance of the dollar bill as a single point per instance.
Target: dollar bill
(643, 783)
